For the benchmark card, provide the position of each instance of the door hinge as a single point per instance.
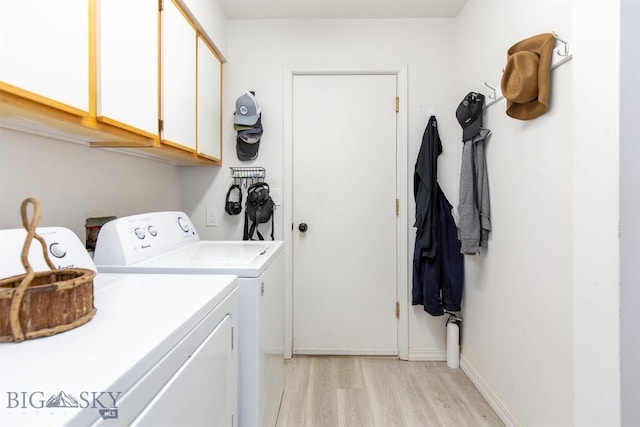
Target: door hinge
(160, 5)
(160, 125)
(232, 338)
(397, 309)
(397, 207)
(397, 104)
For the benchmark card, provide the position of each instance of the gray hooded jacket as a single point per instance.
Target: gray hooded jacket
(474, 221)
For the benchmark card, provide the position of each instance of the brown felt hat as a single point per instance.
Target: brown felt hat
(526, 81)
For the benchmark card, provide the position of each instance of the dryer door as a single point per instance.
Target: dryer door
(201, 392)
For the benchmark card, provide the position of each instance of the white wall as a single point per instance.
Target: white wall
(74, 182)
(596, 212)
(544, 319)
(258, 54)
(630, 212)
(517, 303)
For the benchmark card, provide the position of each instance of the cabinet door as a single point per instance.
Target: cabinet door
(128, 40)
(209, 102)
(201, 392)
(178, 78)
(44, 46)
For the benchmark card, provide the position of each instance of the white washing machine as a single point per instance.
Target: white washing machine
(161, 349)
(167, 242)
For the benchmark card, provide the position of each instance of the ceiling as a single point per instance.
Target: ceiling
(340, 9)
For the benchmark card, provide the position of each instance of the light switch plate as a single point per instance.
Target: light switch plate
(276, 196)
(212, 217)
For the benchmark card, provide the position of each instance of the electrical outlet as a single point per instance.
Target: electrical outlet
(212, 217)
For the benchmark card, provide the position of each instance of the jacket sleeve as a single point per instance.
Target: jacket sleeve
(482, 181)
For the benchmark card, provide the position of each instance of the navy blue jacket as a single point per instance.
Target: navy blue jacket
(438, 265)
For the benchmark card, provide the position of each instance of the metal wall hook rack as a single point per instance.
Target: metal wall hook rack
(565, 50)
(244, 174)
(492, 94)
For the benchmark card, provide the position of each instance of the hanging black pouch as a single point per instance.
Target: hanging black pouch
(259, 209)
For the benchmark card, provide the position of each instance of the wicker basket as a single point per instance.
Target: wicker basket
(38, 304)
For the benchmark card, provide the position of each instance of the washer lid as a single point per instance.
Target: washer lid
(242, 258)
(245, 252)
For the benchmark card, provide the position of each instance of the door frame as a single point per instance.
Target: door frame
(402, 229)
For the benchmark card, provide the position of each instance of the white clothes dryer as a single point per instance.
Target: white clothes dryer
(161, 348)
(167, 242)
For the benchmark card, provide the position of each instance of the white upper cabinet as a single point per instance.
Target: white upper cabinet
(127, 52)
(127, 74)
(178, 78)
(209, 102)
(44, 50)
(209, 19)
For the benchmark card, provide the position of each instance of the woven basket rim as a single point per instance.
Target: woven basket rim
(82, 274)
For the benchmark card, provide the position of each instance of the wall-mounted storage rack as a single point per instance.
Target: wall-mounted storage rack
(247, 172)
(243, 174)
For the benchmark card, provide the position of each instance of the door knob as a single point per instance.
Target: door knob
(303, 227)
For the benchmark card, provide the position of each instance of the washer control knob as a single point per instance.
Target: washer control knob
(139, 232)
(152, 230)
(57, 250)
(184, 224)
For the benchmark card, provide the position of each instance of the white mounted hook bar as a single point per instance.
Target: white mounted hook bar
(493, 94)
(248, 175)
(565, 51)
(561, 54)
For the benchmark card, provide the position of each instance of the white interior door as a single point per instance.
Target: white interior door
(344, 190)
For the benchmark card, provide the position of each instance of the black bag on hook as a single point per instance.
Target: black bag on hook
(259, 209)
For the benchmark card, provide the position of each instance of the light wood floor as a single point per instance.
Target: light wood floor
(367, 391)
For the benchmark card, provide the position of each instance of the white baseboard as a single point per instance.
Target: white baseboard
(426, 355)
(507, 418)
(345, 352)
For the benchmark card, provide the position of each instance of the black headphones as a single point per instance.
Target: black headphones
(233, 208)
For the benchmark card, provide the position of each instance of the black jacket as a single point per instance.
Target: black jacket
(424, 187)
(438, 265)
